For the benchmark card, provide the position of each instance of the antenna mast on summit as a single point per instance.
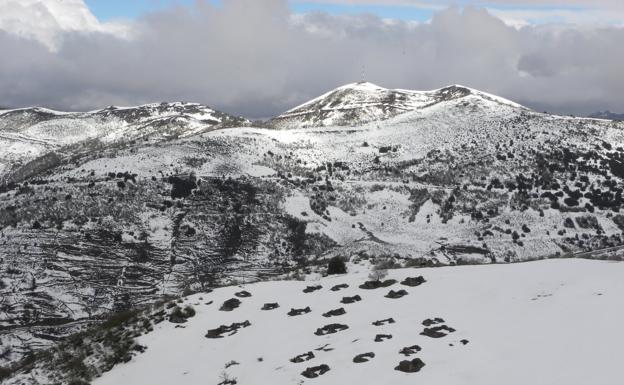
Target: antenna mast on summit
(363, 74)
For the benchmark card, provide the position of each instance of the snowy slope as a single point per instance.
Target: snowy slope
(359, 103)
(128, 204)
(28, 133)
(550, 322)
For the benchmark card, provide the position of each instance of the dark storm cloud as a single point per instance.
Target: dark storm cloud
(255, 58)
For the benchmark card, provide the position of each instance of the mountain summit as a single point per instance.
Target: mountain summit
(364, 102)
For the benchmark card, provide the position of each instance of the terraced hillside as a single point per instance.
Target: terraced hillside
(512, 324)
(90, 226)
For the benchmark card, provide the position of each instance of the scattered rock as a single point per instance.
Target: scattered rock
(339, 287)
(409, 350)
(223, 329)
(464, 342)
(270, 306)
(230, 304)
(348, 300)
(413, 281)
(335, 312)
(384, 321)
(370, 285)
(437, 331)
(302, 358)
(432, 321)
(296, 312)
(315, 371)
(364, 357)
(311, 289)
(412, 366)
(382, 337)
(330, 329)
(396, 294)
(243, 294)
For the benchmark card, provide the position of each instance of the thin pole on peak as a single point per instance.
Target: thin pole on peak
(363, 74)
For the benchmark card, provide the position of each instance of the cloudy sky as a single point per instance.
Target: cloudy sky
(257, 58)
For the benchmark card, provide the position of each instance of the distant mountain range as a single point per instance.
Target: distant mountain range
(607, 115)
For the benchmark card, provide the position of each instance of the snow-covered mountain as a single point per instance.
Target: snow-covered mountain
(359, 103)
(31, 133)
(607, 115)
(104, 211)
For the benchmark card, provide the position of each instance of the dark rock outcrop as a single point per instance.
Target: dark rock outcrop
(412, 366)
(382, 337)
(409, 350)
(315, 371)
(243, 294)
(364, 357)
(384, 322)
(230, 304)
(339, 287)
(334, 313)
(396, 294)
(270, 306)
(330, 329)
(437, 331)
(311, 289)
(348, 300)
(223, 329)
(296, 312)
(302, 357)
(432, 321)
(370, 285)
(413, 281)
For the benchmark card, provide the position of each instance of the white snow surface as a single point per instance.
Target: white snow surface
(541, 323)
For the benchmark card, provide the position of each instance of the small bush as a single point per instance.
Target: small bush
(179, 315)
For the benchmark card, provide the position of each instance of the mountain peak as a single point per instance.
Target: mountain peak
(363, 102)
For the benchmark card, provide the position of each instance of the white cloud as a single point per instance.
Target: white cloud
(517, 12)
(446, 3)
(47, 20)
(257, 59)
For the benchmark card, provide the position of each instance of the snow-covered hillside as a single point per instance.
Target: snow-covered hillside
(29, 133)
(547, 322)
(115, 208)
(358, 103)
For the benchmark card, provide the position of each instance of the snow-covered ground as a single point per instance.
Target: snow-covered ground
(549, 322)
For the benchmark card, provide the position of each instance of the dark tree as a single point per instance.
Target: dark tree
(336, 266)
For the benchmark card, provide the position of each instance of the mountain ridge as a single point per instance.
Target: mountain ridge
(364, 102)
(90, 227)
